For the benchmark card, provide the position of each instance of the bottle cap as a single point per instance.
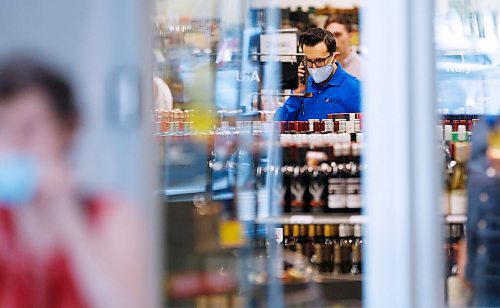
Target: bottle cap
(462, 133)
(328, 125)
(342, 232)
(345, 230)
(286, 230)
(327, 230)
(319, 230)
(359, 137)
(302, 230)
(447, 132)
(311, 232)
(357, 231)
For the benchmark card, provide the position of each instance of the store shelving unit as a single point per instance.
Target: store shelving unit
(336, 219)
(305, 219)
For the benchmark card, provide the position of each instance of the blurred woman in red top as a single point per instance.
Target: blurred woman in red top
(58, 248)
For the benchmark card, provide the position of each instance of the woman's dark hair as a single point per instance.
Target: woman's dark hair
(314, 36)
(18, 74)
(340, 19)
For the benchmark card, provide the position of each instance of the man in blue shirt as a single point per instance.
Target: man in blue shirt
(333, 90)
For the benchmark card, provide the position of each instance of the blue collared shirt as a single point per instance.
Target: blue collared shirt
(341, 94)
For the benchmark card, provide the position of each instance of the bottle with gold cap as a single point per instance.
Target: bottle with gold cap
(308, 243)
(292, 245)
(346, 241)
(302, 241)
(323, 251)
(356, 251)
(286, 236)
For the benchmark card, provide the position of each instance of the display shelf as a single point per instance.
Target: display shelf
(305, 219)
(344, 290)
(456, 219)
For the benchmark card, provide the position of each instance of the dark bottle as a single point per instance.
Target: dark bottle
(309, 242)
(317, 192)
(301, 246)
(286, 171)
(286, 237)
(293, 240)
(356, 251)
(320, 236)
(353, 181)
(448, 250)
(346, 241)
(298, 182)
(337, 181)
(323, 250)
(263, 209)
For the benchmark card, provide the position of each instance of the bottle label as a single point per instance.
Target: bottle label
(316, 189)
(458, 202)
(298, 190)
(278, 235)
(353, 190)
(336, 193)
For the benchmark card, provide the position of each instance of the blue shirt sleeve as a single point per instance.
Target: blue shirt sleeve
(290, 110)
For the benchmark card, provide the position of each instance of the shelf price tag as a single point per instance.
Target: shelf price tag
(301, 219)
(356, 219)
(278, 235)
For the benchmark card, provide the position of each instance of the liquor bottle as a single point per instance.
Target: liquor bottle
(286, 237)
(323, 250)
(317, 193)
(356, 251)
(309, 242)
(299, 183)
(458, 194)
(346, 241)
(301, 246)
(353, 181)
(448, 250)
(286, 170)
(293, 240)
(337, 181)
(320, 234)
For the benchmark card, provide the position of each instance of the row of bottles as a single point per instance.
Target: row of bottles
(173, 122)
(456, 154)
(330, 248)
(321, 173)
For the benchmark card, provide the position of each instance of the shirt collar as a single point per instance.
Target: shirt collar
(338, 76)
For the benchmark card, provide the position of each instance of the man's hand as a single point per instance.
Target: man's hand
(302, 86)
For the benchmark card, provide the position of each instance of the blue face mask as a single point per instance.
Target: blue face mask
(320, 74)
(19, 177)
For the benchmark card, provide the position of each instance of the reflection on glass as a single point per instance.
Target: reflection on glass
(256, 211)
(468, 76)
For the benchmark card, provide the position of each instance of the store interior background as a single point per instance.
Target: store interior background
(424, 58)
(451, 60)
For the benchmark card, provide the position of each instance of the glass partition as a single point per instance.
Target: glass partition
(257, 212)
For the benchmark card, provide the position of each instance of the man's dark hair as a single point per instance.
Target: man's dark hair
(340, 19)
(18, 74)
(314, 36)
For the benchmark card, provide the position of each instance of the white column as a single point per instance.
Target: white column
(402, 236)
